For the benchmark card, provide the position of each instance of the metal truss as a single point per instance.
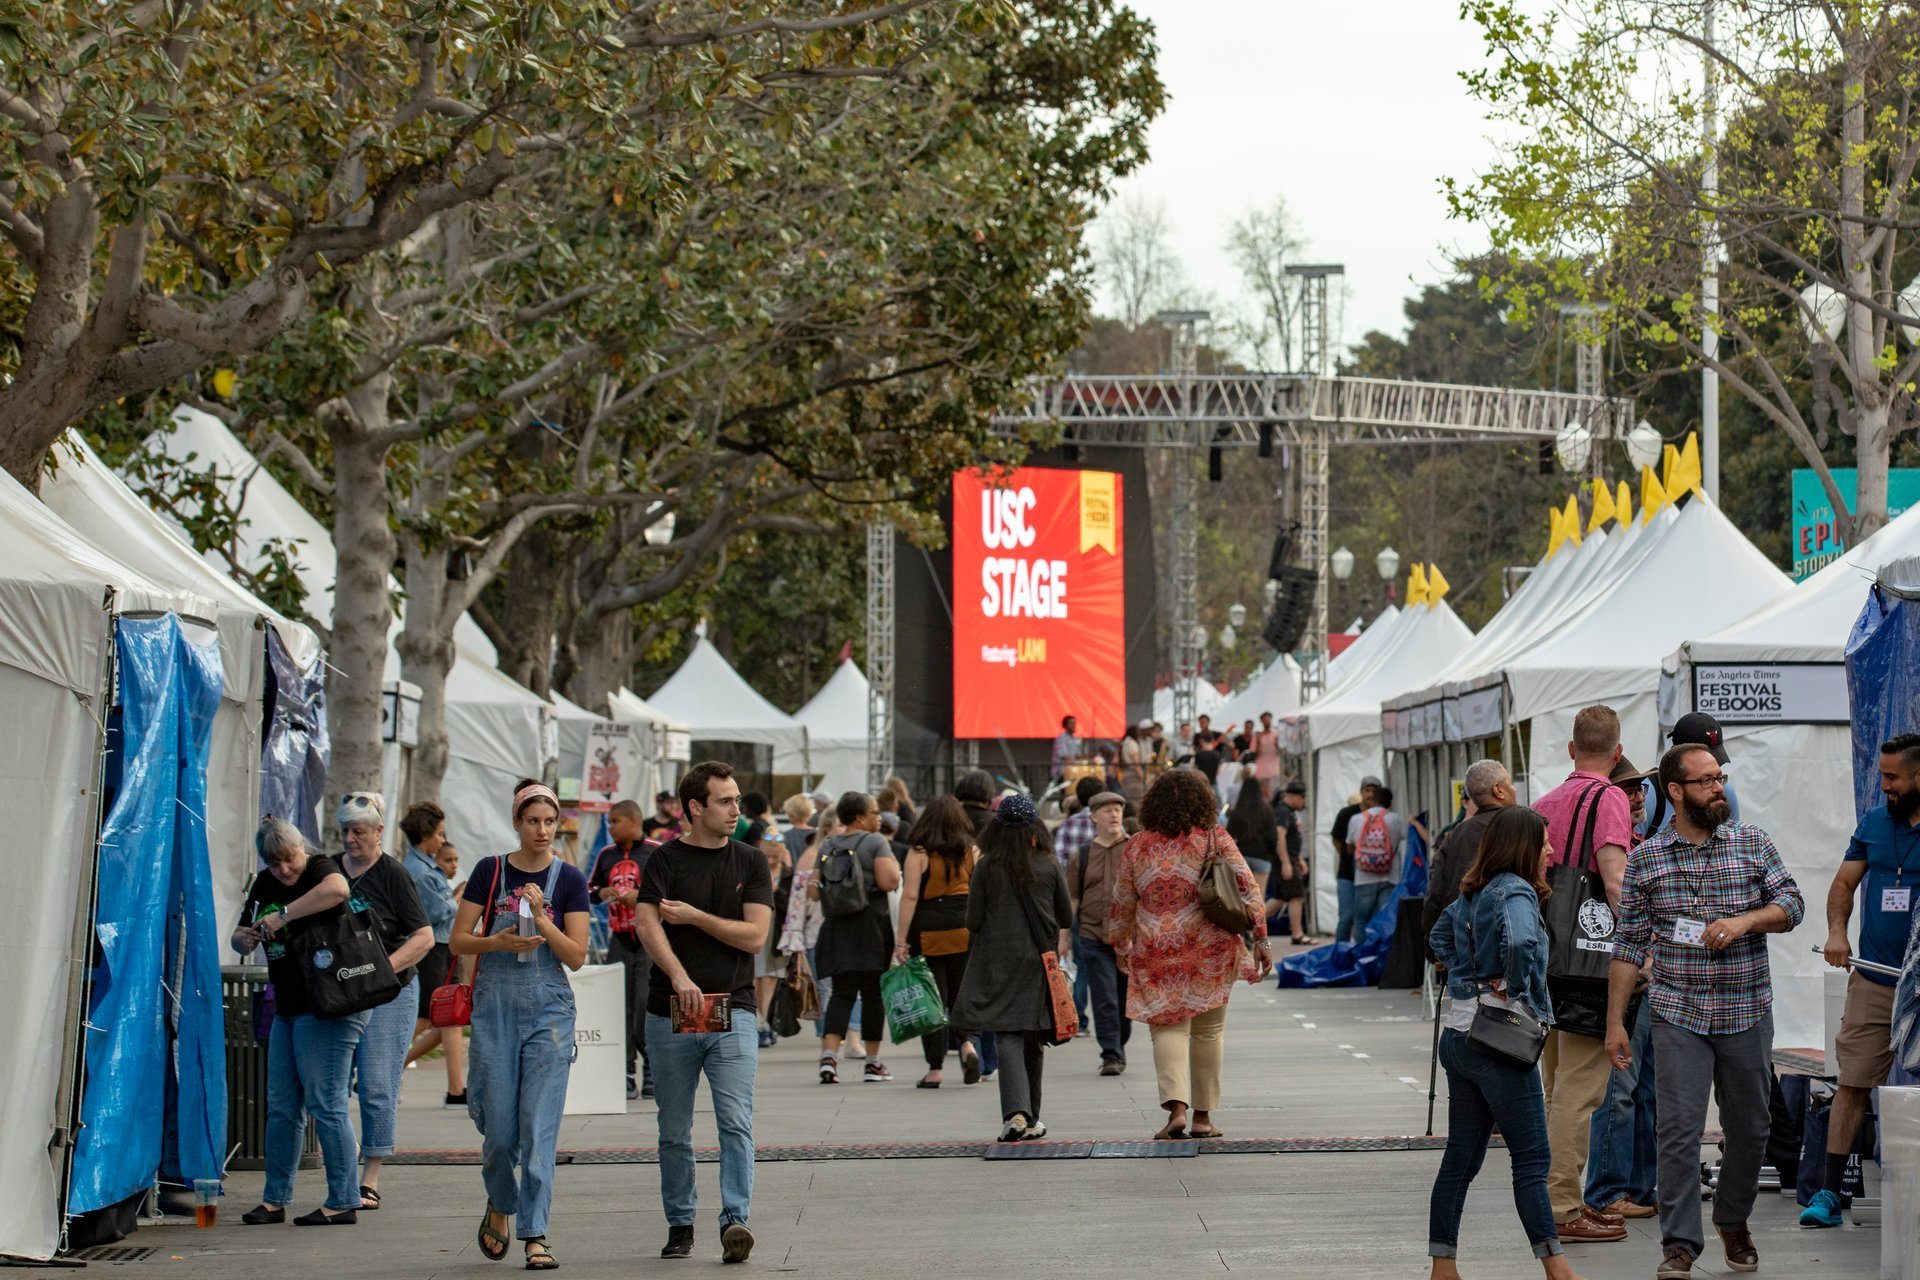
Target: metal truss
(881, 594)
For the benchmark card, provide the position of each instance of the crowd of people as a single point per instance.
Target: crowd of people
(1593, 1062)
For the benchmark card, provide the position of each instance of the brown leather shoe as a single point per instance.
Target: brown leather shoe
(1591, 1230)
(1612, 1217)
(1675, 1264)
(1741, 1255)
(1625, 1208)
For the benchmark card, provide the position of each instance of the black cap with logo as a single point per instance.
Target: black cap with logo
(1700, 729)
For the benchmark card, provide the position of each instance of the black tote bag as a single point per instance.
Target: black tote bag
(1579, 922)
(345, 965)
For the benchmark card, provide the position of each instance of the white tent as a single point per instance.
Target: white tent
(1794, 770)
(836, 723)
(1207, 701)
(1342, 728)
(89, 497)
(709, 695)
(1275, 687)
(663, 740)
(59, 596)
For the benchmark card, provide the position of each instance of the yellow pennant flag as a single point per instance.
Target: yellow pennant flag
(1570, 517)
(1623, 505)
(1556, 531)
(1416, 586)
(1687, 476)
(1437, 585)
(1602, 506)
(1653, 495)
(1669, 469)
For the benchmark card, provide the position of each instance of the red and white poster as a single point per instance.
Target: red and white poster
(1039, 603)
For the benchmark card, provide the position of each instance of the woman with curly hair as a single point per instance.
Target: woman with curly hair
(1180, 966)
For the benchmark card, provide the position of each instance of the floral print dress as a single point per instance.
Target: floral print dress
(1179, 964)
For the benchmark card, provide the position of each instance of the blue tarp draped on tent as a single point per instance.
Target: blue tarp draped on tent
(1358, 964)
(155, 1049)
(294, 745)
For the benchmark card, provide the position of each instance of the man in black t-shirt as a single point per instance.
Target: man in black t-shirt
(1206, 750)
(615, 880)
(705, 905)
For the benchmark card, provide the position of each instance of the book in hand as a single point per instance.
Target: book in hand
(714, 1013)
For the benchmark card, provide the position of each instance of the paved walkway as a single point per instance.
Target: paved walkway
(1328, 1064)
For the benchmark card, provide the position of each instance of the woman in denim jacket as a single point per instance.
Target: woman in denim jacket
(1493, 944)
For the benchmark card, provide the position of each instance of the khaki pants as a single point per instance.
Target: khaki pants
(1186, 1058)
(1573, 1073)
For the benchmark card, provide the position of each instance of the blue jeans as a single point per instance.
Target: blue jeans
(1624, 1153)
(379, 1064)
(1483, 1092)
(730, 1059)
(309, 1062)
(1344, 890)
(517, 1065)
(1080, 994)
(1108, 988)
(1366, 900)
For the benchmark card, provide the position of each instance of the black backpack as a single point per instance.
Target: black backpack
(843, 879)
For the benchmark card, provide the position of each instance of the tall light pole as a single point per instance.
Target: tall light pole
(1710, 266)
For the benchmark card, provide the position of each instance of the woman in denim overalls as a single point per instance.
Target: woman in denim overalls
(522, 1026)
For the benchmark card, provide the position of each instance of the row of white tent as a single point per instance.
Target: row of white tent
(1618, 619)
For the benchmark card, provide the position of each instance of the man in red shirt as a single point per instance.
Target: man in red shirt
(1574, 1069)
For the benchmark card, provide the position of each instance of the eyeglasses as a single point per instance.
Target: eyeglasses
(1711, 780)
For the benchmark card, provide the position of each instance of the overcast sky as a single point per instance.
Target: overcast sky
(1353, 112)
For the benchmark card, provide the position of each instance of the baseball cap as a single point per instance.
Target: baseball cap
(1701, 729)
(821, 799)
(1371, 781)
(663, 796)
(1105, 798)
(1295, 788)
(889, 822)
(1144, 724)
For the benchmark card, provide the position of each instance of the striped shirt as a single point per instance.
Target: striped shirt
(1668, 880)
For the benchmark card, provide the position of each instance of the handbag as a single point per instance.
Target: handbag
(344, 962)
(1511, 1031)
(1579, 922)
(806, 992)
(781, 1019)
(451, 1004)
(1057, 987)
(912, 998)
(1219, 888)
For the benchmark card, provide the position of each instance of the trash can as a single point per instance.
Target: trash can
(247, 1073)
(1899, 1184)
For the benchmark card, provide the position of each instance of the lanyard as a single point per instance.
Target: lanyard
(1899, 858)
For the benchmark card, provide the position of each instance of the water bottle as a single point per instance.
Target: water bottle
(527, 929)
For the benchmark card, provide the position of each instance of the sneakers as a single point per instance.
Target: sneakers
(767, 1038)
(1036, 1129)
(1626, 1207)
(1821, 1211)
(1112, 1067)
(633, 1089)
(646, 1084)
(1741, 1255)
(829, 1069)
(1590, 1228)
(875, 1072)
(456, 1101)
(679, 1242)
(1675, 1264)
(1015, 1130)
(736, 1242)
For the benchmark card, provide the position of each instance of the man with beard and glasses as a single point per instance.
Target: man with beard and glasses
(1699, 899)
(1884, 851)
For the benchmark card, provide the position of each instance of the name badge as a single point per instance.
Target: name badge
(1689, 933)
(1899, 898)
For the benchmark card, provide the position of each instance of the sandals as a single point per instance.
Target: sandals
(369, 1194)
(539, 1257)
(487, 1233)
(1205, 1133)
(969, 1066)
(927, 1082)
(1171, 1132)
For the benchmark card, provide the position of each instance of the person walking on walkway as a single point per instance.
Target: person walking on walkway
(525, 915)
(1493, 945)
(1266, 756)
(1017, 908)
(615, 880)
(309, 1058)
(941, 857)
(706, 904)
(1255, 831)
(380, 886)
(1699, 899)
(1287, 888)
(425, 827)
(1377, 838)
(1884, 851)
(1589, 823)
(1090, 880)
(1343, 928)
(854, 873)
(1180, 966)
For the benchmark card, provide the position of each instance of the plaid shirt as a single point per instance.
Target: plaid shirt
(1707, 992)
(1075, 834)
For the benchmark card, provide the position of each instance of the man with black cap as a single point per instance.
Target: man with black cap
(1700, 729)
(1287, 887)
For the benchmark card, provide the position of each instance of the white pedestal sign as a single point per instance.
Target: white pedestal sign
(597, 1085)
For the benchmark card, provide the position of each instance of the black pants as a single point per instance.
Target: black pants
(947, 972)
(862, 985)
(632, 957)
(1020, 1066)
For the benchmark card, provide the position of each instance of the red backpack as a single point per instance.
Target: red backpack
(1373, 851)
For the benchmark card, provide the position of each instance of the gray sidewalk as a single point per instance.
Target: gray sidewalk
(1329, 1064)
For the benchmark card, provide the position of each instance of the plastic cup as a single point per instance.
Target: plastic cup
(206, 1201)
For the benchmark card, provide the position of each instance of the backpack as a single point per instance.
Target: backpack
(1373, 851)
(843, 881)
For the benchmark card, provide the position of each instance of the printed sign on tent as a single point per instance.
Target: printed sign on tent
(1772, 693)
(1039, 603)
(609, 766)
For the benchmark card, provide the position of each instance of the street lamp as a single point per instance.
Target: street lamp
(1388, 563)
(1643, 446)
(1573, 446)
(1198, 636)
(1236, 617)
(1271, 590)
(1341, 562)
(1228, 636)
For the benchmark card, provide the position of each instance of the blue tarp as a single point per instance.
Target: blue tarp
(1358, 964)
(155, 1089)
(294, 744)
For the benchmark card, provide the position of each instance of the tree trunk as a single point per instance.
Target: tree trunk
(362, 608)
(526, 612)
(48, 390)
(599, 660)
(1872, 397)
(425, 646)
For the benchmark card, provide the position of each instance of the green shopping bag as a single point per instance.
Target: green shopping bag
(913, 1001)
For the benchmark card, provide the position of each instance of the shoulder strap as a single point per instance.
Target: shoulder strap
(1583, 848)
(493, 896)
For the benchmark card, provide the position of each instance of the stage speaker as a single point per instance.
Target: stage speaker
(1292, 610)
(1282, 554)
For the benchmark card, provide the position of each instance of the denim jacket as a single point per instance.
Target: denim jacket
(1509, 940)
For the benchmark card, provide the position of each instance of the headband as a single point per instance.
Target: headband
(362, 806)
(533, 791)
(1017, 810)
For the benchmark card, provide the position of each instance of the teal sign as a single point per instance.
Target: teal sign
(1816, 534)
